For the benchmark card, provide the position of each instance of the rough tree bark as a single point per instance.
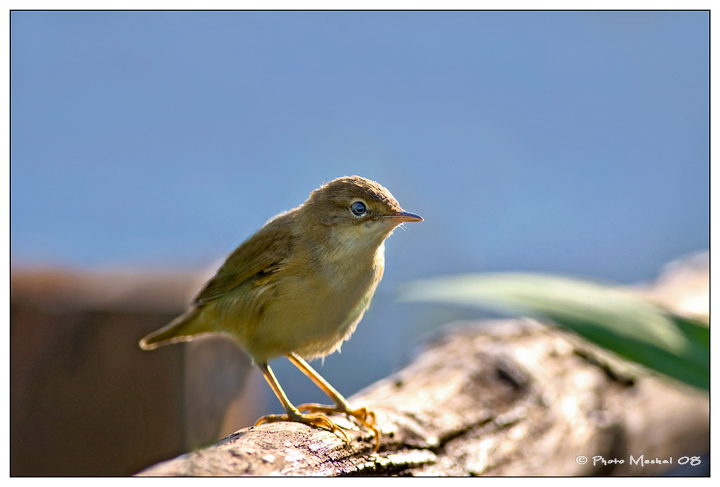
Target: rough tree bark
(510, 397)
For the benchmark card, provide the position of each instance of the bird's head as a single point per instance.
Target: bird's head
(357, 210)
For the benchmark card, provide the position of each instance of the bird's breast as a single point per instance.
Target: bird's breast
(313, 306)
(334, 301)
(350, 284)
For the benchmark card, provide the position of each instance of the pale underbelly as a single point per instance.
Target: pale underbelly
(310, 323)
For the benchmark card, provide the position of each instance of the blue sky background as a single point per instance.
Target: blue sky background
(571, 142)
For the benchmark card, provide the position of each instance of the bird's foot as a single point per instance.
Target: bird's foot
(363, 416)
(319, 420)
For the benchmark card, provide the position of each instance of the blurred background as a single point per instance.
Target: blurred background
(145, 146)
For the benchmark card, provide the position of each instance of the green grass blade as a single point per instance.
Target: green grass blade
(610, 316)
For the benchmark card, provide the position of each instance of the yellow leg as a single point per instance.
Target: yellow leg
(292, 413)
(365, 418)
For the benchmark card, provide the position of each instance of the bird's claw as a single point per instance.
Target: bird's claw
(318, 420)
(363, 416)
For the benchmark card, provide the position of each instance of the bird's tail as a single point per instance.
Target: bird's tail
(182, 329)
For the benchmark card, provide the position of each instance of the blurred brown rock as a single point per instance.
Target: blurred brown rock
(85, 399)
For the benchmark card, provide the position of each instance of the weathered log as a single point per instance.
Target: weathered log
(510, 397)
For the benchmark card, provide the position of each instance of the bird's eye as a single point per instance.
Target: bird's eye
(358, 208)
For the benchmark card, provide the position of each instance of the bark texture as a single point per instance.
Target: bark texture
(511, 397)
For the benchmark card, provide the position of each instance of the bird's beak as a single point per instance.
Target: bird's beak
(404, 216)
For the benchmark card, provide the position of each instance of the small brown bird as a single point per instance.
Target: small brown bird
(298, 288)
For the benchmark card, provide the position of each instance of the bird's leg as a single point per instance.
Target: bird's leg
(291, 412)
(362, 415)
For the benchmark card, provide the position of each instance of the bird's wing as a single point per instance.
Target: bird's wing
(260, 256)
